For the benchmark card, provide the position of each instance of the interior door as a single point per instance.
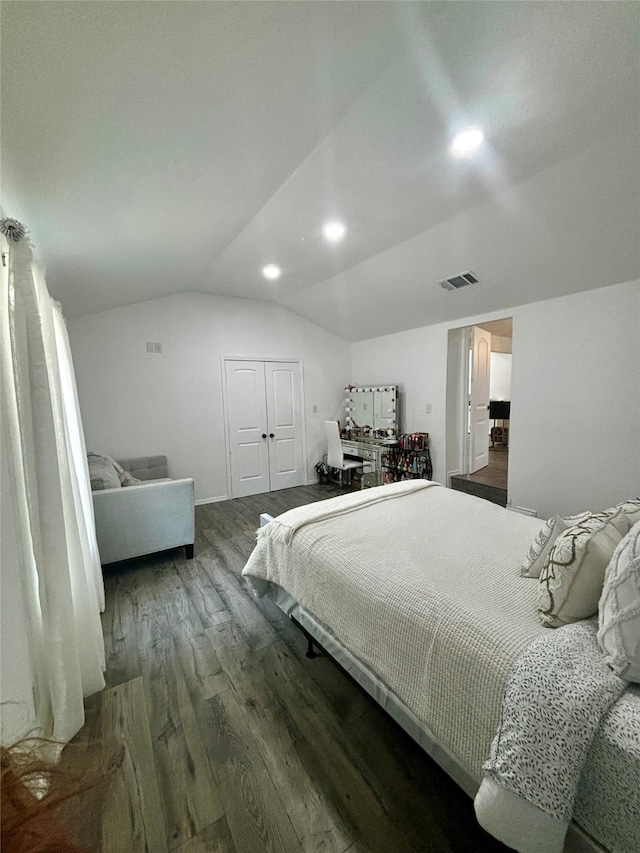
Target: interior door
(479, 399)
(284, 419)
(247, 427)
(265, 428)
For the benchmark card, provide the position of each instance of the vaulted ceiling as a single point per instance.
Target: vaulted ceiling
(157, 147)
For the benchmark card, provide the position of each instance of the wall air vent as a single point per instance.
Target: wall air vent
(458, 281)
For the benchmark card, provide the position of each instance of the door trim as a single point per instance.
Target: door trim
(225, 412)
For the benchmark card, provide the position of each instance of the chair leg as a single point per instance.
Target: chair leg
(188, 551)
(346, 477)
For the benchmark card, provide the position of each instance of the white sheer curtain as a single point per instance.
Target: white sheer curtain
(49, 487)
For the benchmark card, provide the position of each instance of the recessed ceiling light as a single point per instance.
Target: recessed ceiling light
(466, 141)
(334, 231)
(271, 271)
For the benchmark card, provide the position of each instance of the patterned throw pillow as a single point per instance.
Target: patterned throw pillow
(619, 609)
(572, 578)
(102, 472)
(106, 473)
(630, 508)
(542, 544)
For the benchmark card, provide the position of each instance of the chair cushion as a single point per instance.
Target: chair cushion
(146, 467)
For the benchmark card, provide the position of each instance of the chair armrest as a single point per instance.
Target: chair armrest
(152, 516)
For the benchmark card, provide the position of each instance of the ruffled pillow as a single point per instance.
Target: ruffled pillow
(543, 543)
(630, 508)
(619, 608)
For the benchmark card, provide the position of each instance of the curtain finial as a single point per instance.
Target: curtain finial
(12, 229)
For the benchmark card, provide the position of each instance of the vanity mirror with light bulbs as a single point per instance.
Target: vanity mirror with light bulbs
(371, 411)
(370, 426)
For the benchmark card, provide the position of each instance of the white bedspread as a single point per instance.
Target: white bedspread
(284, 526)
(377, 576)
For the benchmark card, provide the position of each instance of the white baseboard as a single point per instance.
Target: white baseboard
(451, 474)
(211, 500)
(522, 510)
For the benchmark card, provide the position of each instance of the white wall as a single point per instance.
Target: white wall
(575, 417)
(138, 403)
(575, 423)
(500, 376)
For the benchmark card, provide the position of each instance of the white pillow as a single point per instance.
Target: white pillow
(572, 578)
(619, 608)
(630, 508)
(542, 544)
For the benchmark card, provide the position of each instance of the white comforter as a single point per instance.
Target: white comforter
(415, 555)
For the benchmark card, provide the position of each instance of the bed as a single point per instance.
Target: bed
(415, 590)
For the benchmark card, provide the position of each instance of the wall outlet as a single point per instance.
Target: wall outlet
(427, 408)
(315, 410)
(154, 346)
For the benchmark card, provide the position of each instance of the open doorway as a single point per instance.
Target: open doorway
(479, 408)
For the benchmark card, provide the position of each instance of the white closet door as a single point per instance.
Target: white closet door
(248, 433)
(284, 415)
(265, 430)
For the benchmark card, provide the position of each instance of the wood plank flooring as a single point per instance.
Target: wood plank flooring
(218, 735)
(489, 482)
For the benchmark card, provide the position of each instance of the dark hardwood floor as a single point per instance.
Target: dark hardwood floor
(490, 482)
(216, 733)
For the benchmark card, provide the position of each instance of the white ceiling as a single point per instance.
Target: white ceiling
(156, 147)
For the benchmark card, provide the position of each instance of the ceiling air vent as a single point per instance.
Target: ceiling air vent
(458, 281)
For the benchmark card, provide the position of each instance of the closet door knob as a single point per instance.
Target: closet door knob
(264, 435)
(271, 435)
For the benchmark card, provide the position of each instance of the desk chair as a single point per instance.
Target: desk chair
(335, 455)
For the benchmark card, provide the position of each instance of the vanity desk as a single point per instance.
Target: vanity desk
(370, 450)
(367, 449)
(372, 435)
(371, 427)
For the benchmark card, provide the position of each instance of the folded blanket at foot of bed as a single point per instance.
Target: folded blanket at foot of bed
(559, 690)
